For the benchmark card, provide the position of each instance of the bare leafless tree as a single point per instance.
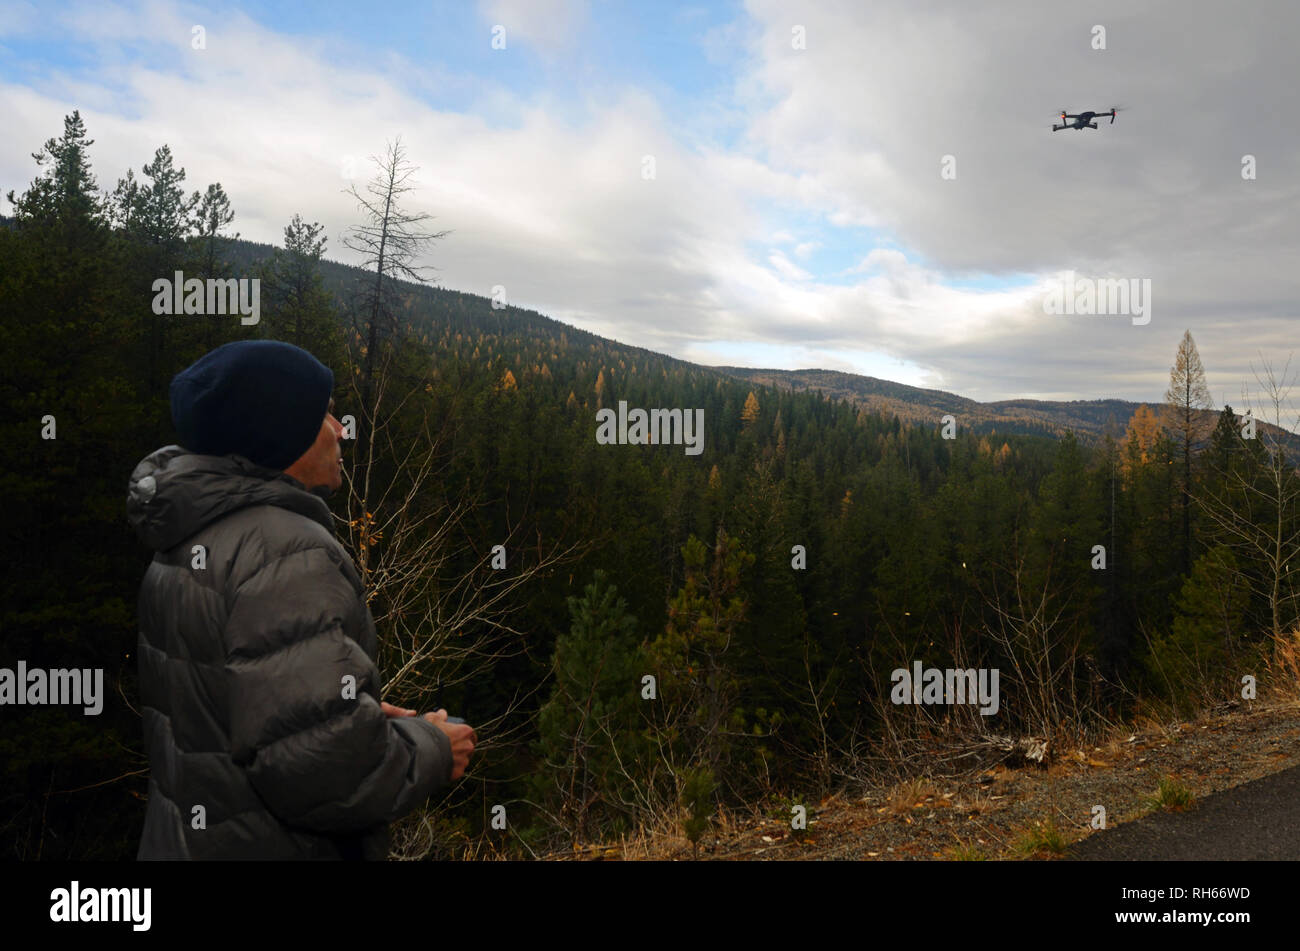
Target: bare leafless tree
(437, 596)
(389, 239)
(444, 613)
(1256, 508)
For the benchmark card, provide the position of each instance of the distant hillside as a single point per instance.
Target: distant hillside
(1089, 419)
(436, 310)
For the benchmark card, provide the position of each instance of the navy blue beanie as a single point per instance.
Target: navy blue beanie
(262, 399)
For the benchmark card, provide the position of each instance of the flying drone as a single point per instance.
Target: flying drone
(1084, 120)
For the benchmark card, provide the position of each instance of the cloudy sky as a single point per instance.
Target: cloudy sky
(871, 187)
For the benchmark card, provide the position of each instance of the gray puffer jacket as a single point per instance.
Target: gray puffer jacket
(245, 665)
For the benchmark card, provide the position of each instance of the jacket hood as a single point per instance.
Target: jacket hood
(173, 493)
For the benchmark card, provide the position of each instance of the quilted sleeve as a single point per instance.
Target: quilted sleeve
(304, 720)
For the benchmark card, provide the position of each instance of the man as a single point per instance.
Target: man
(262, 719)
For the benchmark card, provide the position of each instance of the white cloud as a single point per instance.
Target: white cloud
(786, 268)
(863, 117)
(550, 26)
(849, 131)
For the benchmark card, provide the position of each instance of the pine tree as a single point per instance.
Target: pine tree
(1207, 629)
(163, 214)
(1186, 397)
(590, 723)
(300, 310)
(121, 206)
(69, 303)
(1069, 522)
(698, 786)
(1222, 453)
(703, 618)
(1225, 439)
(1140, 439)
(67, 190)
(211, 215)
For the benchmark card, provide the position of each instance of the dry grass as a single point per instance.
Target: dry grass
(1172, 795)
(485, 848)
(1043, 838)
(1118, 742)
(909, 794)
(978, 805)
(1154, 723)
(1284, 667)
(665, 840)
(966, 851)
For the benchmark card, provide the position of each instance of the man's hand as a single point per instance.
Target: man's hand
(392, 711)
(462, 738)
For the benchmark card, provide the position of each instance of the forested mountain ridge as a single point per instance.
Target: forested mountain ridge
(431, 307)
(1089, 420)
